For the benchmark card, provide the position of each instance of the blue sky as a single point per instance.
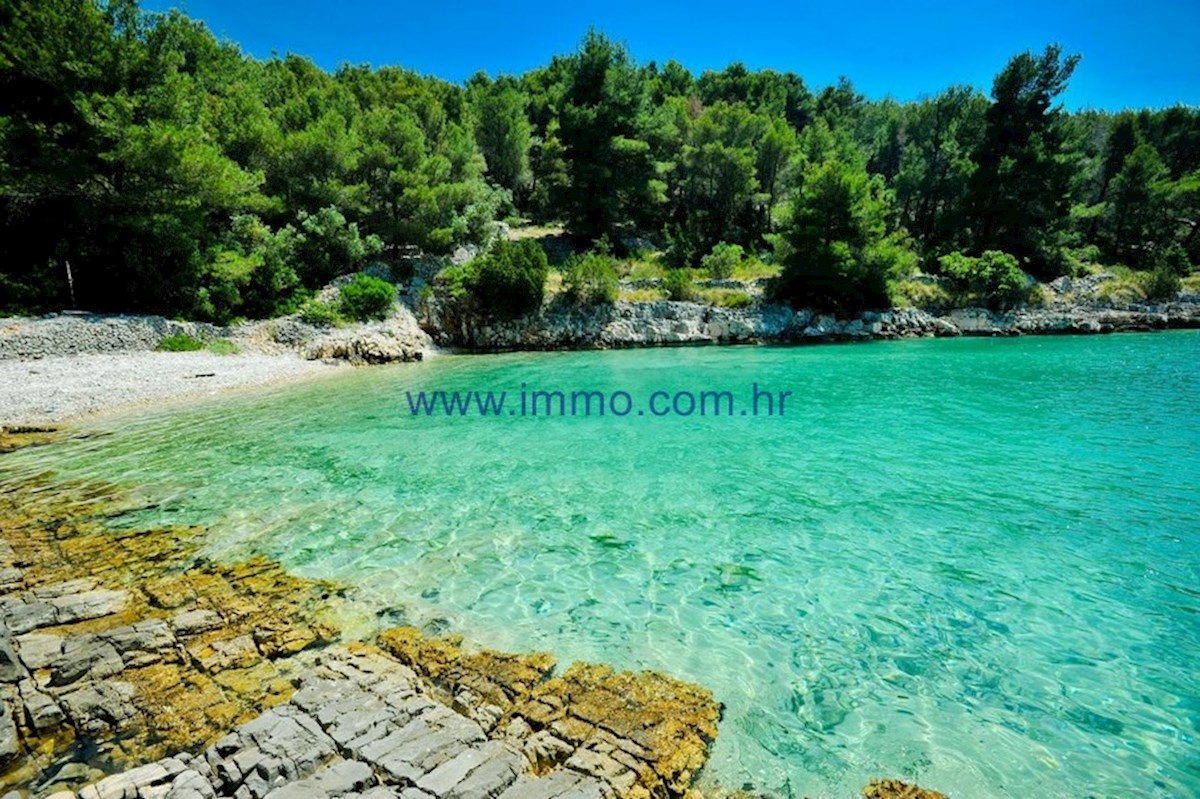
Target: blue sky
(1134, 54)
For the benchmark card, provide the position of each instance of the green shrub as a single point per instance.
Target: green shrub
(1175, 260)
(326, 245)
(1121, 289)
(1160, 283)
(365, 298)
(1083, 261)
(728, 298)
(319, 314)
(1036, 297)
(993, 278)
(591, 279)
(923, 294)
(223, 346)
(723, 260)
(180, 342)
(678, 285)
(510, 280)
(250, 273)
(455, 280)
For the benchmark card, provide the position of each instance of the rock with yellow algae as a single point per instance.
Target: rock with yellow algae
(149, 641)
(895, 789)
(17, 437)
(644, 734)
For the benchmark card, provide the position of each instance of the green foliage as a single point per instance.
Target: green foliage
(835, 249)
(727, 298)
(1122, 289)
(180, 342)
(1160, 283)
(591, 279)
(365, 298)
(994, 278)
(327, 245)
(723, 260)
(502, 132)
(1019, 194)
(679, 285)
(1165, 280)
(223, 346)
(611, 170)
(925, 294)
(936, 165)
(1135, 221)
(251, 274)
(320, 314)
(1175, 260)
(508, 281)
(718, 181)
(165, 171)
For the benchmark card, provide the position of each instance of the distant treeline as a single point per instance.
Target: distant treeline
(175, 174)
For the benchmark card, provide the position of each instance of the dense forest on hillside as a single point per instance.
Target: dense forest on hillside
(173, 174)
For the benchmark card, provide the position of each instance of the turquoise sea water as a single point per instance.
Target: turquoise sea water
(975, 563)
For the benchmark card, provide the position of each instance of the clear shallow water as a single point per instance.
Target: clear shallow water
(974, 562)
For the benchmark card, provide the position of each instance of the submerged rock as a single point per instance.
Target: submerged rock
(895, 789)
(127, 644)
(14, 438)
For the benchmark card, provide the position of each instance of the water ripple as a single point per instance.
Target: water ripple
(972, 563)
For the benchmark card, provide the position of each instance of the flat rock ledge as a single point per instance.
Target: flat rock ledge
(359, 725)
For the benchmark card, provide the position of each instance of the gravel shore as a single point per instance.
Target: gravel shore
(59, 367)
(55, 389)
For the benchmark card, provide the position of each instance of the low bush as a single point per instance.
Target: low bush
(679, 285)
(365, 298)
(641, 295)
(723, 260)
(180, 342)
(591, 279)
(1121, 289)
(1160, 283)
(1174, 259)
(319, 314)
(728, 298)
(924, 294)
(508, 281)
(993, 279)
(223, 346)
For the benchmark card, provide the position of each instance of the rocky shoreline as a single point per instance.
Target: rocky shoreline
(62, 366)
(666, 323)
(131, 666)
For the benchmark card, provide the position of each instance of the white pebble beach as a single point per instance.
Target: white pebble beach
(56, 389)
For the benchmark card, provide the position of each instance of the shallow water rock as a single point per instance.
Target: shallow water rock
(895, 789)
(10, 744)
(85, 657)
(642, 731)
(186, 650)
(88, 604)
(100, 708)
